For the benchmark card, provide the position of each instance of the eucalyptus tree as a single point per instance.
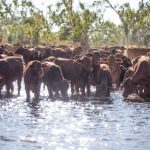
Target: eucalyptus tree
(73, 23)
(142, 27)
(13, 14)
(130, 18)
(107, 33)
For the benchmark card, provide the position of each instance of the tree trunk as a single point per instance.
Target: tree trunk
(84, 42)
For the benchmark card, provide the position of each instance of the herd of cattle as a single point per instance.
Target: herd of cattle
(59, 67)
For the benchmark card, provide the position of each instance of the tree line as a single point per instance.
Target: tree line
(21, 21)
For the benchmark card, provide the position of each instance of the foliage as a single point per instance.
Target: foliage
(21, 21)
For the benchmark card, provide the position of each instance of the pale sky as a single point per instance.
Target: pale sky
(110, 14)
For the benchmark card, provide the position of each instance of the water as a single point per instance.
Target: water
(75, 124)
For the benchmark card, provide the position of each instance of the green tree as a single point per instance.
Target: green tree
(73, 24)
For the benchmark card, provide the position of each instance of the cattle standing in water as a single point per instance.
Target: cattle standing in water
(32, 78)
(11, 69)
(114, 65)
(76, 71)
(104, 81)
(54, 79)
(140, 77)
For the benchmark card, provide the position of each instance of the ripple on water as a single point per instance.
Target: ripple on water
(78, 123)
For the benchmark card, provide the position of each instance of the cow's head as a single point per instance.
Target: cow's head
(86, 63)
(20, 50)
(95, 58)
(37, 67)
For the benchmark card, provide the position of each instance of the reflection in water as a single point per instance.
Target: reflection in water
(78, 123)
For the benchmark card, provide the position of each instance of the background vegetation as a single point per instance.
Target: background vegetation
(21, 21)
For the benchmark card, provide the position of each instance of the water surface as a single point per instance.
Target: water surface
(79, 123)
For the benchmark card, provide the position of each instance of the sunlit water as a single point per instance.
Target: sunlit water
(75, 124)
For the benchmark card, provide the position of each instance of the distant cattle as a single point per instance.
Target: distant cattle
(28, 54)
(136, 52)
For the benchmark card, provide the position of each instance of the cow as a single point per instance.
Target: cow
(33, 78)
(126, 62)
(25, 53)
(76, 70)
(54, 80)
(29, 54)
(133, 53)
(104, 81)
(114, 65)
(140, 78)
(11, 69)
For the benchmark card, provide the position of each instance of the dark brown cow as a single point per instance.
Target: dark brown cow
(56, 52)
(25, 53)
(54, 79)
(114, 65)
(11, 69)
(104, 81)
(77, 50)
(32, 78)
(126, 63)
(29, 54)
(76, 71)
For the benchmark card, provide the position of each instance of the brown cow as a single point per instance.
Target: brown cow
(54, 79)
(104, 81)
(136, 52)
(114, 66)
(76, 71)
(32, 78)
(11, 69)
(139, 78)
(25, 53)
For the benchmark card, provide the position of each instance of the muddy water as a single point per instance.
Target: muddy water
(79, 123)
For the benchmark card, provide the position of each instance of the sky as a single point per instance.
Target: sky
(109, 15)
